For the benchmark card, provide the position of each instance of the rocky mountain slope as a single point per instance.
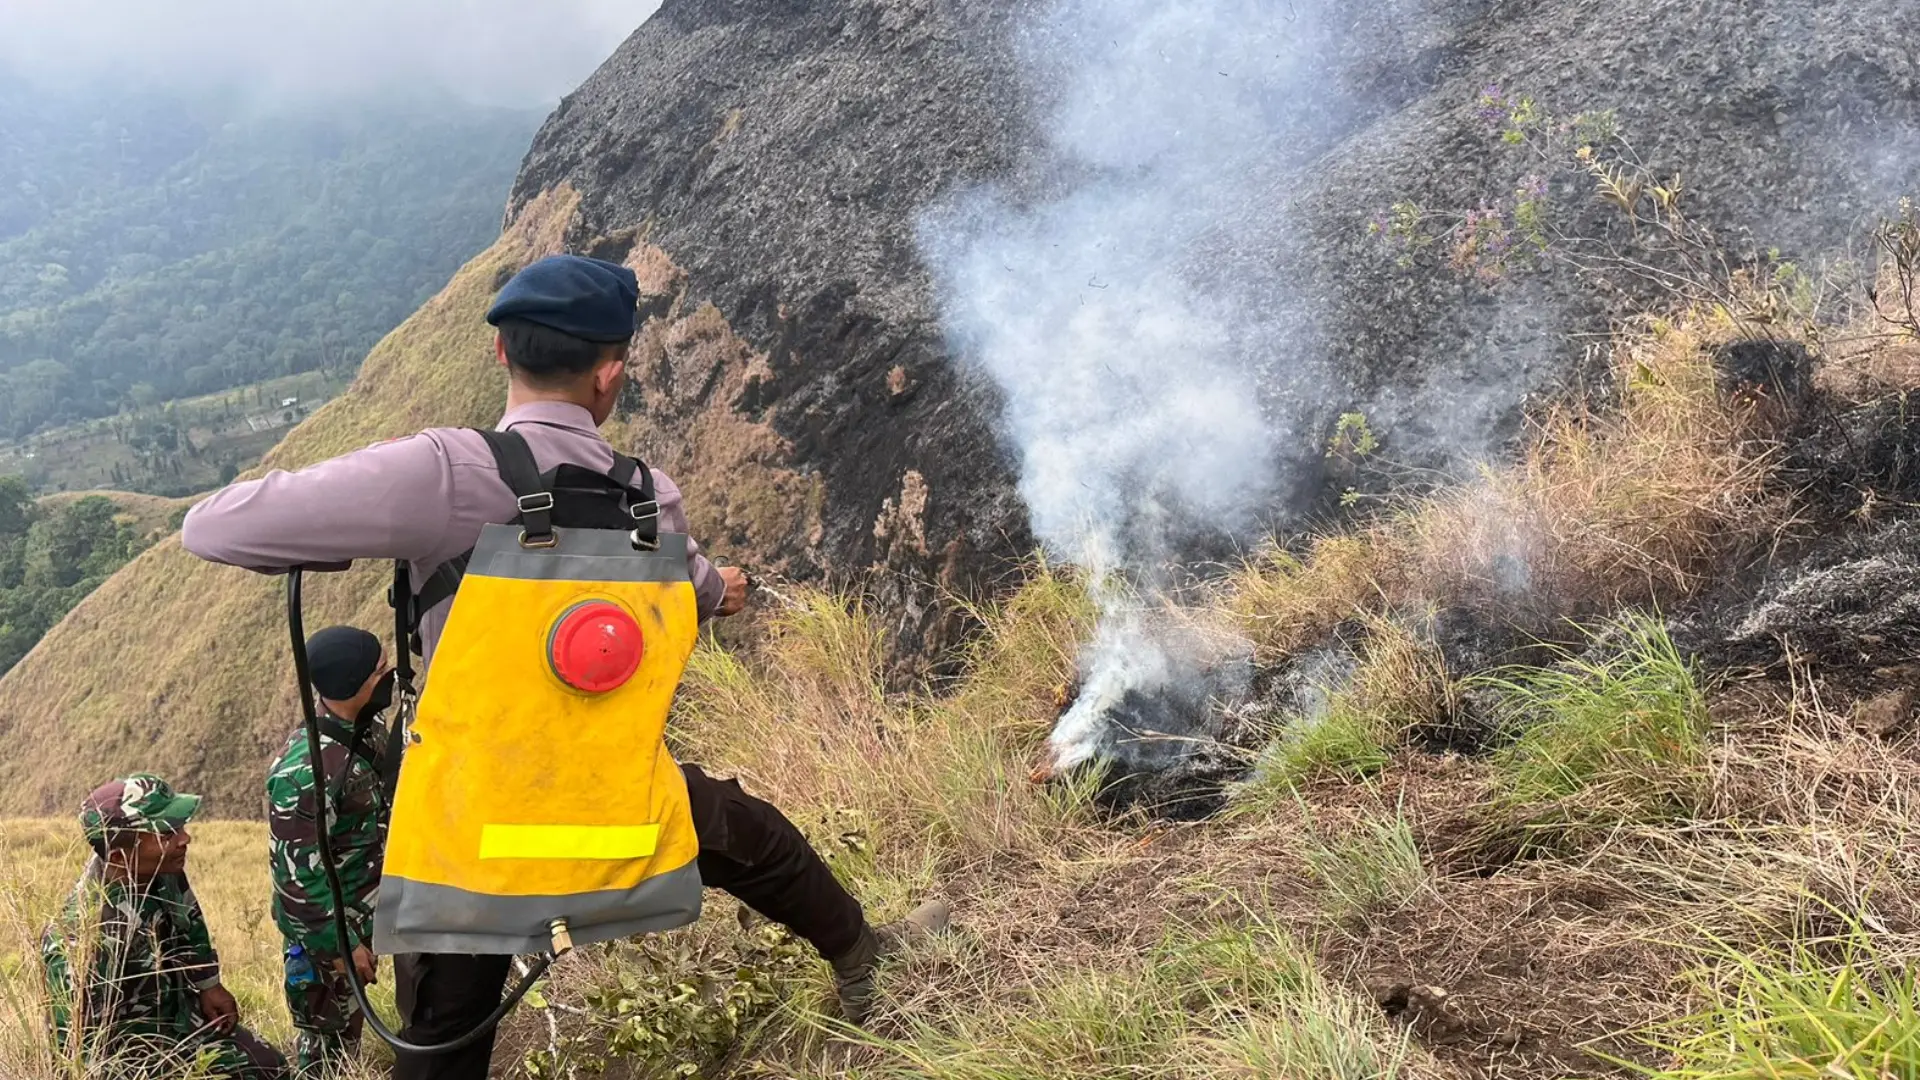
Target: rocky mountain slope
(765, 168)
(781, 158)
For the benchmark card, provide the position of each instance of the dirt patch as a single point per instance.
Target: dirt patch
(1518, 975)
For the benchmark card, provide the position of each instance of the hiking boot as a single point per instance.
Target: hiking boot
(853, 972)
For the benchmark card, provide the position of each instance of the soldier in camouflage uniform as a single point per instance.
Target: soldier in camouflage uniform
(132, 975)
(354, 684)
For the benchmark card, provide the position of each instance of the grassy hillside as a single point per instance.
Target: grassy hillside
(1640, 866)
(1644, 868)
(151, 515)
(1495, 821)
(180, 666)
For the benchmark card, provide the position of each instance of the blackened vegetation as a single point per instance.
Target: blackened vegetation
(1841, 588)
(1856, 464)
(1837, 589)
(1171, 751)
(1772, 377)
(1473, 639)
(783, 155)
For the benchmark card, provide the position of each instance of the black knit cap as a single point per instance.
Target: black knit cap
(341, 659)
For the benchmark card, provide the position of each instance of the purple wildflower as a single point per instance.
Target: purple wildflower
(1494, 108)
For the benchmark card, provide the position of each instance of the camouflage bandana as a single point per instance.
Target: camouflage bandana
(139, 803)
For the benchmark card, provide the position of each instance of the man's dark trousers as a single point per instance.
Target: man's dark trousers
(747, 848)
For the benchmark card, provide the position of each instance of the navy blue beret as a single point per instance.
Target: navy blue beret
(587, 298)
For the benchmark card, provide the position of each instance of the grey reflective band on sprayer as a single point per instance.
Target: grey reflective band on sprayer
(579, 555)
(444, 919)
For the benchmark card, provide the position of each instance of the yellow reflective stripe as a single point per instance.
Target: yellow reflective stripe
(568, 841)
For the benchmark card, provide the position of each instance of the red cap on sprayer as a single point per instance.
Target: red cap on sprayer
(595, 647)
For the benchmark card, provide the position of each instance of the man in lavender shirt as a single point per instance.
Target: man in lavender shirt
(565, 323)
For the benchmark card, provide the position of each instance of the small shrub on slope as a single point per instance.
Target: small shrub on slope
(664, 1006)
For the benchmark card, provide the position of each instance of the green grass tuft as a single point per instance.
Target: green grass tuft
(1399, 684)
(1831, 1010)
(1345, 743)
(1374, 869)
(1604, 742)
(1215, 1000)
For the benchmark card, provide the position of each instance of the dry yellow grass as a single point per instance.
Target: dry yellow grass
(43, 858)
(228, 867)
(1636, 504)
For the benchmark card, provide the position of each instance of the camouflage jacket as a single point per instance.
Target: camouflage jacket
(146, 952)
(302, 903)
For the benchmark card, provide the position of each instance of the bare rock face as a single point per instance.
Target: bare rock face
(769, 159)
(770, 162)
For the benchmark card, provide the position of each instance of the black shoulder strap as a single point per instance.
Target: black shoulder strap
(355, 740)
(440, 585)
(518, 468)
(387, 767)
(646, 511)
(522, 474)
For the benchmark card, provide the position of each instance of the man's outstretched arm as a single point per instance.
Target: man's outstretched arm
(717, 590)
(389, 501)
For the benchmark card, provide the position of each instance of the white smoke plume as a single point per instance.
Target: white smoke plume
(1130, 388)
(1162, 367)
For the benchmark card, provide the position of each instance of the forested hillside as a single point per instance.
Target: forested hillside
(157, 248)
(54, 552)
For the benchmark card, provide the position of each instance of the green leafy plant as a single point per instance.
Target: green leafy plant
(666, 1012)
(1352, 435)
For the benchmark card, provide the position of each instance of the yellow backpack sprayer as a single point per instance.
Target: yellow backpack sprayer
(536, 806)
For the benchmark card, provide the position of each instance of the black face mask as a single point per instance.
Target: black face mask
(382, 698)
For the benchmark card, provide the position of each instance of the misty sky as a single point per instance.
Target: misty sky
(498, 52)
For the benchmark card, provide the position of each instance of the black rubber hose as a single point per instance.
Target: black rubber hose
(296, 624)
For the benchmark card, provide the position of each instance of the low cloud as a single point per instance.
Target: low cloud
(491, 52)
